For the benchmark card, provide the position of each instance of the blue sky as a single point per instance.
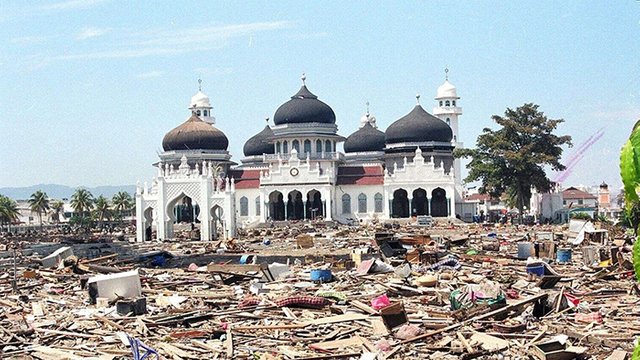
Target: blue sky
(90, 87)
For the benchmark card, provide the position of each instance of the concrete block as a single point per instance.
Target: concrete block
(111, 286)
(56, 257)
(133, 307)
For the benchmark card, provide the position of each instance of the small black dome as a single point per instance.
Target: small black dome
(304, 107)
(367, 138)
(418, 126)
(259, 144)
(195, 134)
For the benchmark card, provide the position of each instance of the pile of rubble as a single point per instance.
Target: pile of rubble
(305, 292)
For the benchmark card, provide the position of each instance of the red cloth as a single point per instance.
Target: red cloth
(302, 301)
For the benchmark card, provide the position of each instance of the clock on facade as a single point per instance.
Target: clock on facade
(294, 171)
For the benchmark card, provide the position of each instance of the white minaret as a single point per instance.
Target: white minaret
(448, 111)
(201, 106)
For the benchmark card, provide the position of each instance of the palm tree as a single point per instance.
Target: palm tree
(102, 209)
(81, 202)
(57, 208)
(122, 202)
(39, 203)
(8, 211)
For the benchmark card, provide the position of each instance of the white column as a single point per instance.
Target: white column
(205, 209)
(162, 228)
(140, 225)
(326, 197)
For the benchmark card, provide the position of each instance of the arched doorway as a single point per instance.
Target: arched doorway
(183, 213)
(419, 204)
(276, 206)
(148, 223)
(295, 206)
(400, 204)
(217, 224)
(439, 203)
(314, 205)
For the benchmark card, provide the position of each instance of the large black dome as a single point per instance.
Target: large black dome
(195, 134)
(259, 143)
(418, 126)
(367, 138)
(304, 107)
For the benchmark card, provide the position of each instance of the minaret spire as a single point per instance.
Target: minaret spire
(304, 79)
(199, 84)
(367, 108)
(418, 99)
(446, 74)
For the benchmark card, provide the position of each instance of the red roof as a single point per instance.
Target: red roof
(573, 193)
(360, 175)
(474, 197)
(246, 179)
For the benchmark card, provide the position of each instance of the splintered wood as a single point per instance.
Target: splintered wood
(461, 291)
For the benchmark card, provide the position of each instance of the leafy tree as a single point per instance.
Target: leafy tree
(8, 211)
(580, 216)
(122, 202)
(57, 208)
(512, 159)
(39, 204)
(102, 209)
(82, 202)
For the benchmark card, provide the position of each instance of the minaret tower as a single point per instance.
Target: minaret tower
(448, 111)
(201, 106)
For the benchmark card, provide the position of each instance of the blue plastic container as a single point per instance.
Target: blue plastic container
(535, 269)
(321, 275)
(563, 255)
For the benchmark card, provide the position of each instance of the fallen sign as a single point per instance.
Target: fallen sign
(55, 258)
(113, 286)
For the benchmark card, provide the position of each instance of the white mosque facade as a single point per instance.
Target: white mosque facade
(293, 171)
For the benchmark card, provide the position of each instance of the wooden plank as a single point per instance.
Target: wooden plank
(337, 344)
(339, 318)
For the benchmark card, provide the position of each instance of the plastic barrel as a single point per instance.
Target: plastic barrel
(321, 275)
(563, 255)
(535, 269)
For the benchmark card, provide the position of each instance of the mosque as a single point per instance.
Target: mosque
(293, 171)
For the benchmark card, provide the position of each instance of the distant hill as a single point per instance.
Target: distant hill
(56, 191)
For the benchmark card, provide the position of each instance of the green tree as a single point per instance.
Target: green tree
(8, 211)
(57, 208)
(122, 202)
(39, 204)
(512, 159)
(82, 202)
(102, 209)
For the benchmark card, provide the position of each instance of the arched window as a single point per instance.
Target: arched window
(307, 146)
(319, 146)
(346, 204)
(453, 102)
(327, 146)
(295, 145)
(440, 102)
(377, 203)
(447, 103)
(362, 203)
(448, 121)
(206, 113)
(258, 206)
(285, 147)
(244, 206)
(278, 147)
(198, 112)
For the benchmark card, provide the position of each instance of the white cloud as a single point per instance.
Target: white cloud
(29, 40)
(150, 74)
(91, 32)
(173, 42)
(72, 4)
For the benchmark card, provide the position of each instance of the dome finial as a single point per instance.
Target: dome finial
(367, 108)
(418, 99)
(304, 79)
(199, 84)
(267, 120)
(446, 74)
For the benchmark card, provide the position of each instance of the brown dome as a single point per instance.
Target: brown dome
(195, 134)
